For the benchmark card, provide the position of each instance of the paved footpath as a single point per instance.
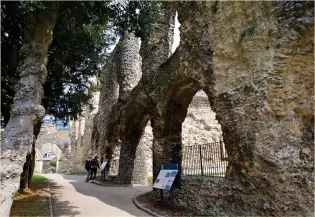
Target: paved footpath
(72, 196)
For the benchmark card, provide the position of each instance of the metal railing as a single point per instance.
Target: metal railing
(204, 160)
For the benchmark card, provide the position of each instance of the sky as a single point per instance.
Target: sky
(176, 34)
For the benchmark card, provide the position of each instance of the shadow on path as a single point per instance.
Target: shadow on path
(112, 201)
(64, 207)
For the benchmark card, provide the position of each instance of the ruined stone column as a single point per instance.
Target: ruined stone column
(157, 47)
(121, 74)
(86, 137)
(142, 170)
(108, 98)
(155, 50)
(128, 64)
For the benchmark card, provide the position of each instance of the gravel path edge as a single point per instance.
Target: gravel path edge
(141, 206)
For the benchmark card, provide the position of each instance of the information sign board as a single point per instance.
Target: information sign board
(103, 165)
(165, 179)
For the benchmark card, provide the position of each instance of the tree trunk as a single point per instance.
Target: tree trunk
(24, 176)
(6, 117)
(32, 166)
(29, 165)
(18, 135)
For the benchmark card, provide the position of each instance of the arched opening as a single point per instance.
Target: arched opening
(50, 162)
(142, 171)
(203, 151)
(167, 122)
(130, 142)
(48, 156)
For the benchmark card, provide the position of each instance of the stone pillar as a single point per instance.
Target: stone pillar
(155, 50)
(126, 71)
(142, 170)
(114, 164)
(128, 64)
(38, 166)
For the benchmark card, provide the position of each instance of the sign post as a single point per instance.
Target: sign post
(172, 199)
(103, 168)
(168, 178)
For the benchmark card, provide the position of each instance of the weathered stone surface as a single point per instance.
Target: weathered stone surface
(129, 124)
(128, 64)
(257, 72)
(254, 61)
(121, 74)
(82, 133)
(142, 169)
(49, 141)
(200, 125)
(258, 95)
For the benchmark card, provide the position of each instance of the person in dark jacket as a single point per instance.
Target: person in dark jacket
(94, 165)
(88, 169)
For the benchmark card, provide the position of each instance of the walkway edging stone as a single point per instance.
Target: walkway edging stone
(111, 185)
(141, 206)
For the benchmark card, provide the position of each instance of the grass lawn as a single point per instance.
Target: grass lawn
(74, 172)
(34, 201)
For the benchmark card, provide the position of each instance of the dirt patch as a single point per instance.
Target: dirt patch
(151, 201)
(32, 202)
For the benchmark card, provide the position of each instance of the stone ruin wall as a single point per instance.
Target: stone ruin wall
(200, 125)
(49, 141)
(263, 72)
(254, 60)
(81, 134)
(199, 129)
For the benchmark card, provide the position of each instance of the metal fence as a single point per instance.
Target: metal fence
(204, 160)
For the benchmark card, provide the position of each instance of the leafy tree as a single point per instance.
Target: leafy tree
(140, 17)
(26, 111)
(77, 50)
(75, 55)
(11, 41)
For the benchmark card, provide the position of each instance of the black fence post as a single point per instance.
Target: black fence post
(201, 160)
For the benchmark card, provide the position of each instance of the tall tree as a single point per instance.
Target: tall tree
(27, 110)
(73, 57)
(12, 28)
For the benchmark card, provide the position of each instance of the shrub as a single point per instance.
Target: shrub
(53, 163)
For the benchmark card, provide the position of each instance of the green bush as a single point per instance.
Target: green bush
(53, 163)
(39, 179)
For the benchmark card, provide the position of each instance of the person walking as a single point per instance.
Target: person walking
(88, 169)
(94, 165)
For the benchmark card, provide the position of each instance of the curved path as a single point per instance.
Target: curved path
(72, 196)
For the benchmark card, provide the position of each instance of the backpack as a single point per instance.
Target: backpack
(87, 165)
(94, 163)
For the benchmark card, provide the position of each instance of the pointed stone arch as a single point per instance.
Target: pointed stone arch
(46, 148)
